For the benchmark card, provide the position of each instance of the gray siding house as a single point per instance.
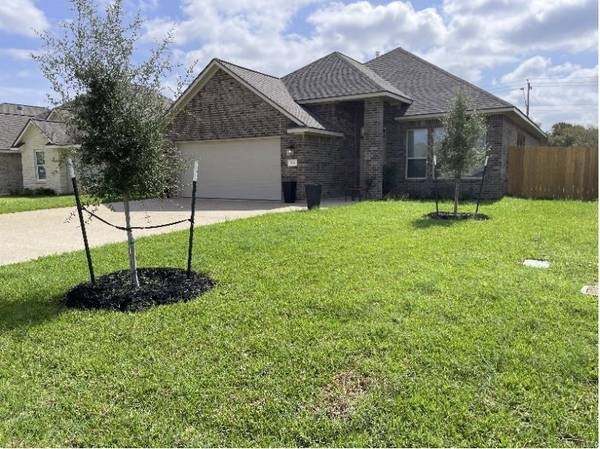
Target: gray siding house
(335, 122)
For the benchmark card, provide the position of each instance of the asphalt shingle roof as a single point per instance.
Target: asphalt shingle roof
(336, 75)
(56, 132)
(24, 109)
(10, 127)
(430, 87)
(275, 90)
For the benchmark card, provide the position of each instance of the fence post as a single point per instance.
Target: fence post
(192, 218)
(88, 255)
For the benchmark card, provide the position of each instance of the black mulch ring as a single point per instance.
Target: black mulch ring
(157, 286)
(459, 216)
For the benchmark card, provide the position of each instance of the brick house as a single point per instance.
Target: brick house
(335, 122)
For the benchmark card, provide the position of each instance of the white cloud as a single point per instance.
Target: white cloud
(368, 28)
(20, 54)
(465, 37)
(24, 95)
(21, 17)
(563, 92)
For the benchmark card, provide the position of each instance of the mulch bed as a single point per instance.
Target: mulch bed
(157, 286)
(459, 216)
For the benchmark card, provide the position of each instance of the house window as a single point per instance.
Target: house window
(416, 153)
(40, 166)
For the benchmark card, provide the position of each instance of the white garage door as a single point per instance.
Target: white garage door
(237, 168)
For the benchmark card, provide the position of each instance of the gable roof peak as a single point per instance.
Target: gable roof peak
(338, 76)
(430, 85)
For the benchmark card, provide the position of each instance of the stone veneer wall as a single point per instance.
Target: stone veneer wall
(11, 174)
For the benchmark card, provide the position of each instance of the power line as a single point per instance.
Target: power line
(545, 81)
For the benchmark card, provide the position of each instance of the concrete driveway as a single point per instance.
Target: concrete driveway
(29, 235)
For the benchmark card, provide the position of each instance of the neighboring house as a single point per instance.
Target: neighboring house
(30, 144)
(42, 144)
(13, 118)
(335, 122)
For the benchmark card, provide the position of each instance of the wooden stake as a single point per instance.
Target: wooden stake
(88, 255)
(192, 218)
(437, 210)
(481, 185)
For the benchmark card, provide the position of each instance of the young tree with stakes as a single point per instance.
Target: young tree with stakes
(113, 105)
(463, 144)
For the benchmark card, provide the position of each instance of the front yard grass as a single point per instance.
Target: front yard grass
(22, 203)
(358, 326)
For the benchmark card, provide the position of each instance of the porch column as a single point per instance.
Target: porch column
(372, 147)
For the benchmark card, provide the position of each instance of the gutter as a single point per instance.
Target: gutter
(322, 132)
(356, 97)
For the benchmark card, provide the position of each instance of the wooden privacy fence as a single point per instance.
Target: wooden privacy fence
(553, 172)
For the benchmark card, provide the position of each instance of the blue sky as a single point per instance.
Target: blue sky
(497, 44)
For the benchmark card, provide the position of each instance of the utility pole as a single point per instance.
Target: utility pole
(526, 95)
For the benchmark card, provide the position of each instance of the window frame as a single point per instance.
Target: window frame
(407, 158)
(37, 165)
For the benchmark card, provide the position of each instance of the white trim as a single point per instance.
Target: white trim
(356, 97)
(207, 73)
(314, 131)
(513, 109)
(36, 165)
(25, 128)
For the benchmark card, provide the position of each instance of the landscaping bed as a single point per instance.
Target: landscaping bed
(458, 216)
(114, 291)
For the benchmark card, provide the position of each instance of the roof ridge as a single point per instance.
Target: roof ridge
(17, 115)
(356, 69)
(439, 69)
(23, 104)
(310, 63)
(370, 75)
(246, 68)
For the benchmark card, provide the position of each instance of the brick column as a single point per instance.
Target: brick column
(372, 147)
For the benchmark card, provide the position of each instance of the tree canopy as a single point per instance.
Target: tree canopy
(565, 134)
(112, 102)
(463, 143)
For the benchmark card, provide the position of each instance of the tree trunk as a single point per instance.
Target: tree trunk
(456, 194)
(130, 244)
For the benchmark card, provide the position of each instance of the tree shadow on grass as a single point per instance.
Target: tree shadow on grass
(426, 222)
(25, 313)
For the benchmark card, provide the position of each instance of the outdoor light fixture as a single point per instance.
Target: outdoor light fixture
(289, 151)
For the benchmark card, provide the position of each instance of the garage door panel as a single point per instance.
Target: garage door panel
(236, 169)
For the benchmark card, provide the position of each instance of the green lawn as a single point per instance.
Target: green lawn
(358, 326)
(21, 203)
